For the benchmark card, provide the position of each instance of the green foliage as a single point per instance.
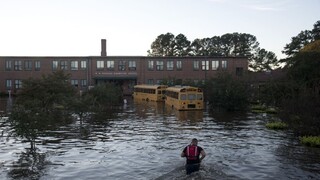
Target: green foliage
(105, 97)
(264, 60)
(35, 109)
(298, 42)
(298, 94)
(227, 93)
(47, 92)
(313, 141)
(170, 45)
(229, 44)
(276, 125)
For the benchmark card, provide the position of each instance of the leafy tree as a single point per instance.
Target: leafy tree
(163, 45)
(227, 93)
(200, 47)
(182, 45)
(298, 42)
(316, 30)
(41, 105)
(105, 97)
(230, 44)
(264, 60)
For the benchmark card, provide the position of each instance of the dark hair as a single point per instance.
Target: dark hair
(194, 139)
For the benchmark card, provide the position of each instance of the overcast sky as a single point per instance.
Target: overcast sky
(76, 27)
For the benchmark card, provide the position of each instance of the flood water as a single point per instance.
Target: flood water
(144, 141)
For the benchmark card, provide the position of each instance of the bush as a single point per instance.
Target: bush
(313, 141)
(276, 125)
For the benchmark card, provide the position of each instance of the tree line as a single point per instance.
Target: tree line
(230, 44)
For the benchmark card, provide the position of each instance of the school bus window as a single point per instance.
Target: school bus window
(183, 97)
(199, 96)
(191, 96)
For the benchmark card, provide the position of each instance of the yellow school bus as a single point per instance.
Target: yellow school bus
(149, 92)
(184, 98)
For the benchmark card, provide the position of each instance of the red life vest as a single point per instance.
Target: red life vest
(192, 152)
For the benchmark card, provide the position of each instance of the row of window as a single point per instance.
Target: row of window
(64, 65)
(122, 65)
(18, 83)
(159, 65)
(204, 65)
(176, 82)
(19, 65)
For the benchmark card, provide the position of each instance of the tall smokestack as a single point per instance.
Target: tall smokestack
(103, 47)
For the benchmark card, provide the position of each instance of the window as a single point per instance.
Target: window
(100, 65)
(205, 65)
(83, 64)
(8, 65)
(183, 97)
(239, 71)
(159, 65)
(150, 65)
(159, 81)
(8, 83)
(18, 84)
(224, 64)
(74, 65)
(28, 65)
(55, 65)
(150, 81)
(110, 65)
(37, 65)
(84, 83)
(64, 65)
(18, 65)
(170, 65)
(132, 65)
(215, 65)
(179, 65)
(122, 66)
(196, 65)
(74, 82)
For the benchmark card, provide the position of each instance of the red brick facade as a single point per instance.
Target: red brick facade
(123, 70)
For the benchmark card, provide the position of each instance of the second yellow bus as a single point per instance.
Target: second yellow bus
(184, 97)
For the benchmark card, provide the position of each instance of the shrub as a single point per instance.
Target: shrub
(313, 141)
(276, 125)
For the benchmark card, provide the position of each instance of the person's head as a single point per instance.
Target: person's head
(194, 142)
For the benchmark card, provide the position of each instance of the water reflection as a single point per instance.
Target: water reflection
(145, 139)
(30, 164)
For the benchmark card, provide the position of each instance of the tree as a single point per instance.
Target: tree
(182, 45)
(298, 42)
(230, 44)
(163, 45)
(264, 60)
(227, 93)
(41, 104)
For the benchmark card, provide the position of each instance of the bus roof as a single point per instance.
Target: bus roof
(148, 86)
(183, 88)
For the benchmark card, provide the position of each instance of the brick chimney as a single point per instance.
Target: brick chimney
(103, 47)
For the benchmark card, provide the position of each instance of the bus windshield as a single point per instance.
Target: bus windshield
(191, 96)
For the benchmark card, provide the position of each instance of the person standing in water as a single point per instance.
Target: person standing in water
(192, 153)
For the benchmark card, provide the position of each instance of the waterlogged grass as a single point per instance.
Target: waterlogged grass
(276, 125)
(313, 141)
(258, 108)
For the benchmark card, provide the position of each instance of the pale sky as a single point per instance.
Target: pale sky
(76, 27)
